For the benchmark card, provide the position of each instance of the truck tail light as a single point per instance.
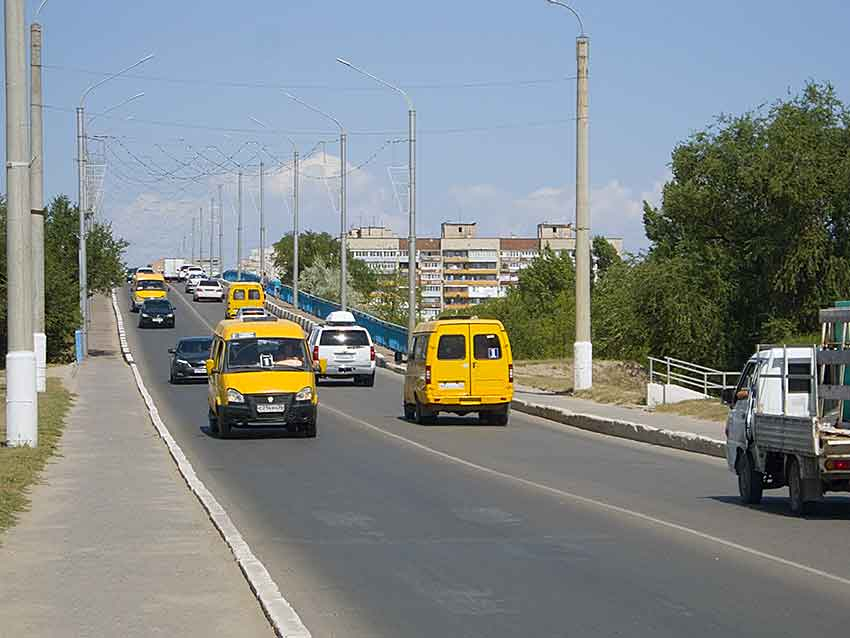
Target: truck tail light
(427, 375)
(510, 373)
(372, 352)
(315, 353)
(838, 465)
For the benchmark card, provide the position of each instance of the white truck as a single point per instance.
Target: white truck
(786, 426)
(171, 268)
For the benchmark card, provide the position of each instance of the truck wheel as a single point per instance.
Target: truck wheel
(799, 507)
(750, 481)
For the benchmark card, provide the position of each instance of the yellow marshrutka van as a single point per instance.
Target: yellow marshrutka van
(459, 365)
(243, 295)
(146, 286)
(261, 376)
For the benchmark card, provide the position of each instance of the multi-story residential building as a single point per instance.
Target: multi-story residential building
(460, 269)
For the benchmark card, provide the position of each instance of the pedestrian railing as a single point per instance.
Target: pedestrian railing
(384, 333)
(689, 375)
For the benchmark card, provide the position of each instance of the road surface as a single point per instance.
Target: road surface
(380, 527)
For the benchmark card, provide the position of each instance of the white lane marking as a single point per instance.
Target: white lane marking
(284, 619)
(597, 503)
(193, 309)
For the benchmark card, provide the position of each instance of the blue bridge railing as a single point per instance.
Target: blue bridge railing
(384, 333)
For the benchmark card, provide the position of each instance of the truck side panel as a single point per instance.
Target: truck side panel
(787, 434)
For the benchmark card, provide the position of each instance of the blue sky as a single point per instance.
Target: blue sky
(501, 154)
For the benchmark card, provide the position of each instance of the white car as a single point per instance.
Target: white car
(250, 311)
(193, 279)
(345, 349)
(208, 290)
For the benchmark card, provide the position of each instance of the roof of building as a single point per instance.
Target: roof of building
(422, 243)
(519, 243)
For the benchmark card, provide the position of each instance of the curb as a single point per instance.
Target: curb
(283, 618)
(685, 441)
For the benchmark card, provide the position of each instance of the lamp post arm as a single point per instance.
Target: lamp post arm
(112, 77)
(379, 81)
(571, 10)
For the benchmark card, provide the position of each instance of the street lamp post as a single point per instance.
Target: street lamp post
(583, 347)
(411, 194)
(295, 230)
(81, 194)
(343, 234)
(239, 225)
(262, 227)
(220, 233)
(37, 205)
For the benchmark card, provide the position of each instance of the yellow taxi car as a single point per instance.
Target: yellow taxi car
(146, 286)
(243, 295)
(460, 365)
(261, 376)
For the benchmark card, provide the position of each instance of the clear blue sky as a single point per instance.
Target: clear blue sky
(659, 71)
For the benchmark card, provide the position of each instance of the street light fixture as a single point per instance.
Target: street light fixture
(343, 234)
(117, 106)
(411, 194)
(583, 347)
(81, 194)
(295, 228)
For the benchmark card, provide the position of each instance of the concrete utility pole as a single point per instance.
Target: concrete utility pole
(37, 205)
(582, 348)
(295, 229)
(411, 194)
(212, 231)
(21, 394)
(262, 226)
(220, 233)
(192, 240)
(239, 227)
(200, 235)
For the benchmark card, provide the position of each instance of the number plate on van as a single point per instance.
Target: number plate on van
(452, 385)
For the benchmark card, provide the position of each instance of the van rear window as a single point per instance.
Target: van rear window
(253, 294)
(486, 347)
(451, 347)
(239, 295)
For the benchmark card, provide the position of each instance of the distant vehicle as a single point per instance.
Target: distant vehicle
(156, 313)
(131, 273)
(242, 295)
(344, 349)
(171, 268)
(146, 286)
(188, 359)
(233, 275)
(181, 271)
(208, 289)
(249, 311)
(459, 365)
(193, 278)
(261, 376)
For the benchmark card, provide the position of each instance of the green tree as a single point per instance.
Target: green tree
(604, 255)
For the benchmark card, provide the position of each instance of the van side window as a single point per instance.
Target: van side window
(451, 347)
(420, 347)
(486, 347)
(253, 294)
(216, 354)
(239, 295)
(746, 380)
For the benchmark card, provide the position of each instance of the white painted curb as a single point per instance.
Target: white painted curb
(281, 615)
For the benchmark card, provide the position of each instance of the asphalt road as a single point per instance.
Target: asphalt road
(380, 527)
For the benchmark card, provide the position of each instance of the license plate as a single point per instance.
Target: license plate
(270, 407)
(452, 385)
(200, 370)
(157, 319)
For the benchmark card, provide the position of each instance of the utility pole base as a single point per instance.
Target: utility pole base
(582, 365)
(21, 400)
(40, 341)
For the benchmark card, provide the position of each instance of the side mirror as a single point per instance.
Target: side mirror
(171, 351)
(727, 396)
(742, 395)
(209, 364)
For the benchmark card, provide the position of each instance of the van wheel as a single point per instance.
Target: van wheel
(750, 482)
(422, 416)
(310, 429)
(222, 428)
(213, 421)
(409, 412)
(369, 380)
(799, 507)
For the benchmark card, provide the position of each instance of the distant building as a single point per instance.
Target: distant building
(460, 269)
(251, 263)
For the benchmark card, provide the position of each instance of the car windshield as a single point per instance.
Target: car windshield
(158, 305)
(195, 346)
(209, 282)
(266, 353)
(150, 285)
(344, 338)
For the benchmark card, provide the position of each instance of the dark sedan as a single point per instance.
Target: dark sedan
(188, 359)
(156, 313)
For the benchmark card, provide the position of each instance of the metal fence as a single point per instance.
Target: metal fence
(384, 333)
(690, 375)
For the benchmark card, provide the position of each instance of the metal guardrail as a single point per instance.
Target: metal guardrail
(690, 375)
(384, 333)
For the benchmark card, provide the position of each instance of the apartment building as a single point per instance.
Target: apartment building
(460, 269)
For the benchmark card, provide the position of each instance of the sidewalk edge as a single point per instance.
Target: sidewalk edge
(283, 618)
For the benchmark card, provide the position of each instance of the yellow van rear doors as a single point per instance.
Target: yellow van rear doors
(489, 361)
(450, 372)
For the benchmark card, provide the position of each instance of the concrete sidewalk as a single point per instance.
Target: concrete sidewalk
(115, 543)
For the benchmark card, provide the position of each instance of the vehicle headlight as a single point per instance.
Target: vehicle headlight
(145, 315)
(170, 315)
(234, 396)
(183, 362)
(304, 394)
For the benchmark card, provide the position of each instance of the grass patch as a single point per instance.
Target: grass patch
(20, 468)
(617, 382)
(705, 409)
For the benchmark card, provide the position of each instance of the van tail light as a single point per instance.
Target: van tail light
(427, 375)
(372, 352)
(510, 373)
(838, 465)
(315, 353)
